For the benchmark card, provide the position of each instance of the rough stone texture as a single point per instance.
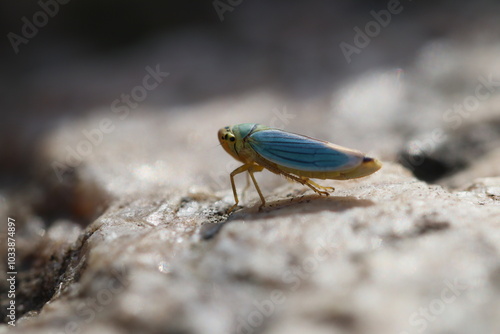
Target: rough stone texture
(135, 239)
(386, 253)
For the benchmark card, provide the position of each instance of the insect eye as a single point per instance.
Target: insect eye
(225, 136)
(232, 139)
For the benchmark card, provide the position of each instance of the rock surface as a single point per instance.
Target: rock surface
(387, 253)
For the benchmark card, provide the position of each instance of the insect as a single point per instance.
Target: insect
(295, 156)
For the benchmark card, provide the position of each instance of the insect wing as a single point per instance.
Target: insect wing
(303, 153)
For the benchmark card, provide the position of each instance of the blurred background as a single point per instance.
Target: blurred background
(408, 81)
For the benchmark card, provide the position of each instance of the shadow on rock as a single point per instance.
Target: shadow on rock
(286, 207)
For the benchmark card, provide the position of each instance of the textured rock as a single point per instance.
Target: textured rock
(386, 253)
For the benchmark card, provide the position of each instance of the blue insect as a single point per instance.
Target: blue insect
(297, 157)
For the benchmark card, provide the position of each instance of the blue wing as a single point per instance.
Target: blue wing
(301, 152)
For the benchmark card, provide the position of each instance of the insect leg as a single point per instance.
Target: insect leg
(251, 170)
(329, 189)
(312, 185)
(302, 180)
(237, 171)
(305, 181)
